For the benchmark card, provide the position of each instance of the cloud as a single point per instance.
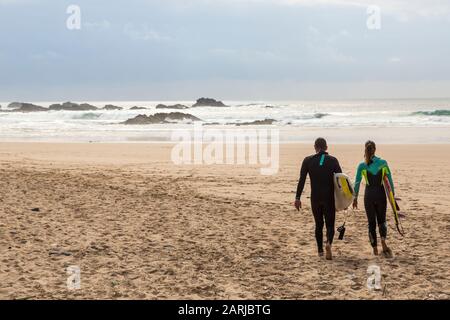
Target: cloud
(246, 54)
(394, 60)
(402, 9)
(98, 25)
(143, 32)
(45, 56)
(16, 2)
(322, 47)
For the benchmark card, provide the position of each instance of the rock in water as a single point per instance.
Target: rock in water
(111, 107)
(257, 122)
(178, 116)
(208, 102)
(70, 106)
(320, 115)
(159, 118)
(138, 108)
(139, 119)
(14, 105)
(25, 107)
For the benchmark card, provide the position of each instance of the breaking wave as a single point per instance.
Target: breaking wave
(436, 113)
(87, 116)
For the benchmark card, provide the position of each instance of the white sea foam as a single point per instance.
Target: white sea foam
(292, 117)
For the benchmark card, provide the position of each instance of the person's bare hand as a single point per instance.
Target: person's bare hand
(355, 204)
(298, 204)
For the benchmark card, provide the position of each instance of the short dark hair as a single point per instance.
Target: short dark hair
(321, 144)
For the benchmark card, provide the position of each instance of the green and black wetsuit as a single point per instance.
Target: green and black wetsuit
(321, 168)
(375, 201)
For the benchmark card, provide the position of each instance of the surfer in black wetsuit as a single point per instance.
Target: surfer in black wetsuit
(321, 168)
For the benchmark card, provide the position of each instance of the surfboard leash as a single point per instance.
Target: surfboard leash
(342, 229)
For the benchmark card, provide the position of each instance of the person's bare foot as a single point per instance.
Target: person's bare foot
(387, 252)
(329, 255)
(375, 251)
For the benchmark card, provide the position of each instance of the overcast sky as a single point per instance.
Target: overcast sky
(227, 49)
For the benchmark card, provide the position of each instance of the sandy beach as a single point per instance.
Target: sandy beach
(141, 227)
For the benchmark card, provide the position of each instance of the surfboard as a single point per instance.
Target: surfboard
(343, 191)
(394, 205)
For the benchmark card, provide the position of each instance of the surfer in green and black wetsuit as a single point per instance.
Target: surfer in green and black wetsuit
(375, 201)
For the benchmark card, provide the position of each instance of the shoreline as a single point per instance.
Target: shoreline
(287, 135)
(160, 152)
(165, 142)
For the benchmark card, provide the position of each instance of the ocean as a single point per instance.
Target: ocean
(387, 121)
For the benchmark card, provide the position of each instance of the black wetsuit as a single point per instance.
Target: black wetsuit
(321, 168)
(375, 204)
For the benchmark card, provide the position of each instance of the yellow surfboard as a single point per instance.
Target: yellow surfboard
(394, 205)
(343, 191)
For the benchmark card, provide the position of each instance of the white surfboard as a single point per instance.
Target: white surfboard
(343, 191)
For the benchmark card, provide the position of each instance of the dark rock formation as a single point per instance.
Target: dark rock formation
(207, 102)
(14, 105)
(320, 115)
(25, 107)
(70, 106)
(175, 106)
(161, 118)
(257, 122)
(139, 119)
(111, 107)
(138, 108)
